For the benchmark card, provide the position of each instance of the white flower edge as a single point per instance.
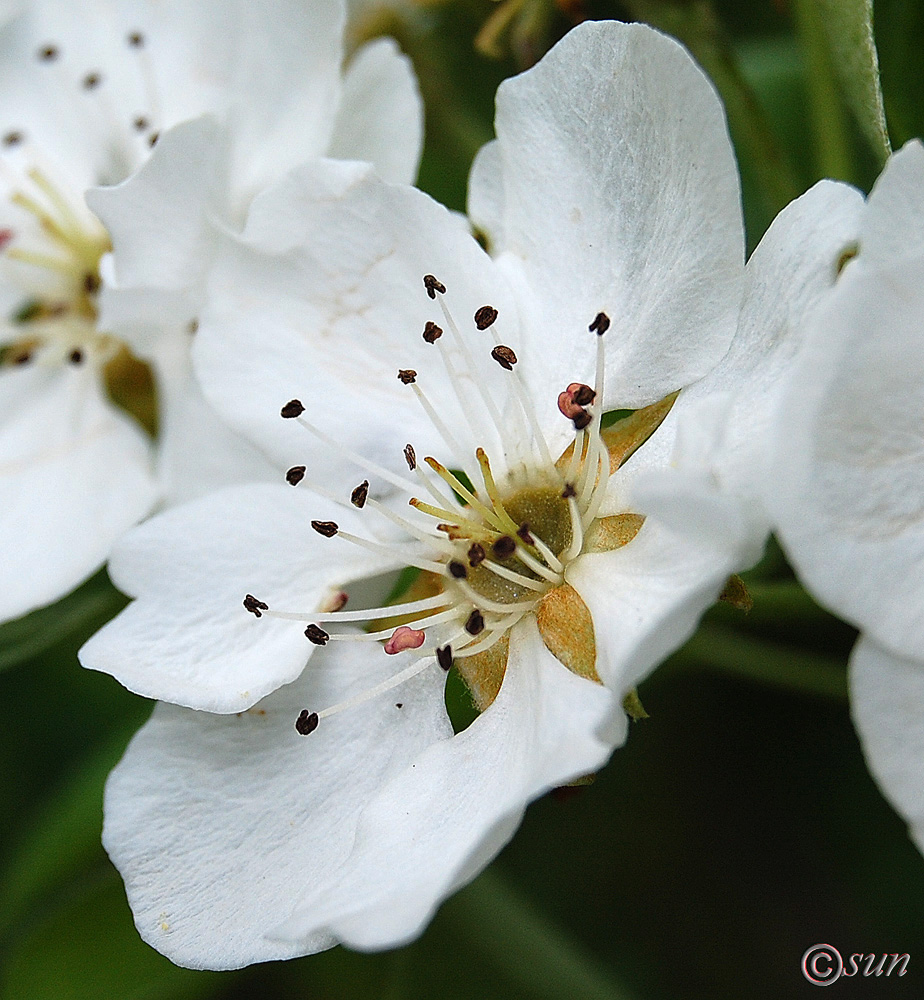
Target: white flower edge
(847, 487)
(887, 705)
(222, 824)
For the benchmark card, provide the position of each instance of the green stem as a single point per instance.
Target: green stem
(722, 649)
(533, 952)
(829, 122)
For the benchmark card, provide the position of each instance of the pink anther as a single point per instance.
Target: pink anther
(6, 237)
(404, 638)
(572, 401)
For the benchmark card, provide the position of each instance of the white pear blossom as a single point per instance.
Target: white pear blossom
(848, 480)
(198, 105)
(438, 408)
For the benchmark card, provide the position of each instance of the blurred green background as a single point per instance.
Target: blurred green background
(739, 825)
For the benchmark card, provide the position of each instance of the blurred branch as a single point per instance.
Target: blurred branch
(530, 949)
(781, 665)
(829, 125)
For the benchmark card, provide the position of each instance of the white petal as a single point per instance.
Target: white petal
(486, 193)
(186, 638)
(160, 219)
(646, 598)
(380, 118)
(847, 488)
(892, 227)
(198, 452)
(437, 824)
(620, 195)
(74, 474)
(330, 303)
(793, 267)
(219, 824)
(887, 705)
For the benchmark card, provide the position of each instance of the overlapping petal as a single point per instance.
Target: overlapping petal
(887, 705)
(187, 638)
(74, 474)
(221, 824)
(620, 197)
(437, 823)
(847, 489)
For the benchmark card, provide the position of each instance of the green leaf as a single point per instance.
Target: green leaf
(83, 611)
(86, 948)
(62, 842)
(848, 26)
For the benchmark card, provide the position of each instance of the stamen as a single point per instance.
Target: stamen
(306, 723)
(410, 456)
(294, 408)
(450, 614)
(600, 324)
(254, 606)
(485, 317)
(359, 495)
(504, 547)
(92, 80)
(463, 492)
(443, 430)
(326, 528)
(317, 635)
(491, 488)
(513, 576)
(364, 614)
(476, 554)
(295, 475)
(458, 522)
(475, 623)
(457, 569)
(404, 638)
(496, 632)
(48, 53)
(432, 332)
(577, 531)
(433, 286)
(504, 356)
(444, 657)
(407, 376)
(393, 551)
(413, 670)
(409, 526)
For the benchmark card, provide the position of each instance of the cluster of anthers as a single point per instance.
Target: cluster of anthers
(493, 553)
(65, 243)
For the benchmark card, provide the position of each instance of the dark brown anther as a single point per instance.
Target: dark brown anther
(485, 317)
(581, 420)
(22, 358)
(504, 357)
(136, 40)
(407, 375)
(504, 547)
(317, 635)
(432, 332)
(523, 533)
(568, 492)
(410, 456)
(91, 81)
(293, 408)
(76, 356)
(91, 283)
(458, 570)
(444, 657)
(433, 285)
(476, 554)
(399, 704)
(600, 324)
(475, 623)
(582, 394)
(48, 53)
(306, 723)
(358, 496)
(254, 606)
(141, 124)
(326, 528)
(12, 139)
(152, 139)
(453, 530)
(295, 475)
